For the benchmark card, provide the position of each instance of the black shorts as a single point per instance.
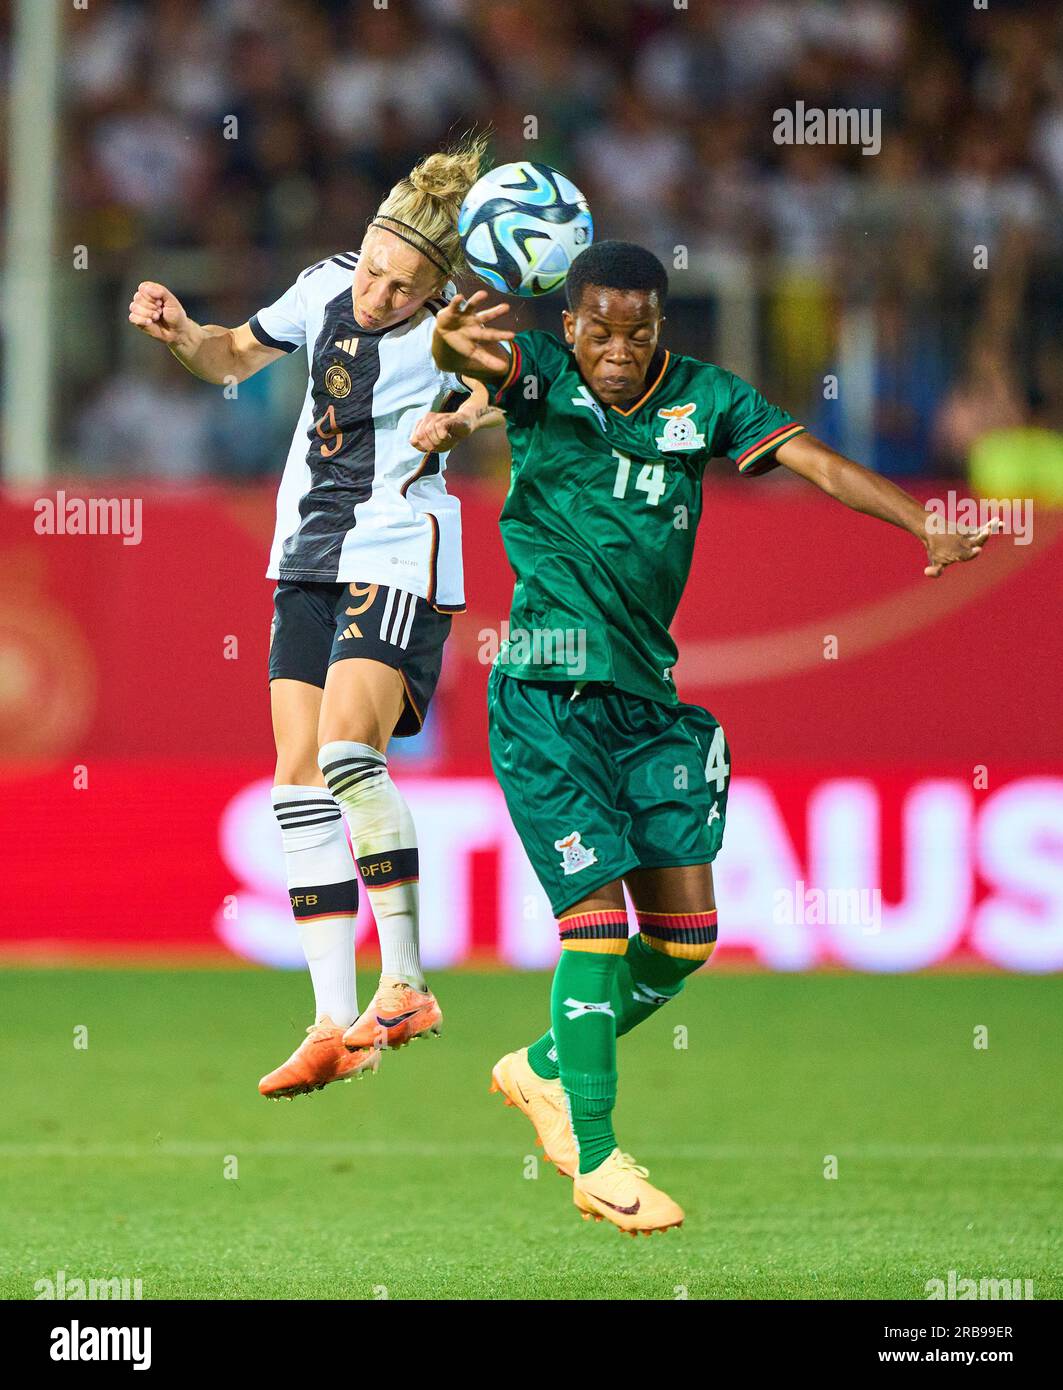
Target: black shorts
(317, 624)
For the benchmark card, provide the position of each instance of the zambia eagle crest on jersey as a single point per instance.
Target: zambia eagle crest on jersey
(680, 431)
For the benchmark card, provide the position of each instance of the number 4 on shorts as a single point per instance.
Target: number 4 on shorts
(717, 768)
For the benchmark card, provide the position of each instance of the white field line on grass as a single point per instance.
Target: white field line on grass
(382, 1148)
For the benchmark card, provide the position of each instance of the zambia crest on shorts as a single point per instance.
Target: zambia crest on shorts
(680, 431)
(574, 854)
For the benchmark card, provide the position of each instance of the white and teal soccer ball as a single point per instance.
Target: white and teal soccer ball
(522, 225)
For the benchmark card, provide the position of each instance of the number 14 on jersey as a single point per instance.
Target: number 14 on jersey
(650, 479)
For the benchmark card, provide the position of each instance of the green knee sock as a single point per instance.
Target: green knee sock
(542, 1057)
(645, 979)
(584, 1029)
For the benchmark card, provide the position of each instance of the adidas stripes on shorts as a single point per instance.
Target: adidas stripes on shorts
(317, 624)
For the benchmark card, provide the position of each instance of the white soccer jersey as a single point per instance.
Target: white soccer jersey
(357, 502)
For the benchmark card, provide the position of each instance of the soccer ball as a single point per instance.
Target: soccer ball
(522, 225)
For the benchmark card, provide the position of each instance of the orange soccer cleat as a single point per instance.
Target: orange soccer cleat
(319, 1059)
(396, 1014)
(618, 1190)
(544, 1104)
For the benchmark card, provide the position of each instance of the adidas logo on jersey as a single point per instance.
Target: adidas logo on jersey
(347, 345)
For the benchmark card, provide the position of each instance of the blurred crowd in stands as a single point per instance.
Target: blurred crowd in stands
(661, 111)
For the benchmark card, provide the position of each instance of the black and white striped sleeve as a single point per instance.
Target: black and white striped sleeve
(283, 324)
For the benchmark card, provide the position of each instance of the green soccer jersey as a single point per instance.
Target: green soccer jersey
(603, 507)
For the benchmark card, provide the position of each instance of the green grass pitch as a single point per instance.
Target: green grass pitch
(418, 1183)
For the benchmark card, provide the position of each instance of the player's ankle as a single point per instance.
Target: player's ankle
(416, 982)
(593, 1158)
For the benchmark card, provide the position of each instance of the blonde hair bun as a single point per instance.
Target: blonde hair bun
(430, 198)
(449, 174)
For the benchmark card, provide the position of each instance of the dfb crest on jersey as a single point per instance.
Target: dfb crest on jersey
(574, 854)
(680, 431)
(338, 381)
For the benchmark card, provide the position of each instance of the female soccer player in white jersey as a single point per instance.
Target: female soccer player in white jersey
(367, 559)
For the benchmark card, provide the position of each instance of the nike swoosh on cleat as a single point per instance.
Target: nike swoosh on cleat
(520, 1088)
(624, 1211)
(392, 1022)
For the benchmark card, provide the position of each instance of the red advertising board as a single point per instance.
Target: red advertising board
(889, 734)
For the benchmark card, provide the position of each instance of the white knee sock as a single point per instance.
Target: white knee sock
(324, 891)
(385, 845)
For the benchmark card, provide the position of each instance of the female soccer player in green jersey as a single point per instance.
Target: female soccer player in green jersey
(610, 779)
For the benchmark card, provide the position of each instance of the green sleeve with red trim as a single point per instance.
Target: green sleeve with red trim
(537, 358)
(753, 429)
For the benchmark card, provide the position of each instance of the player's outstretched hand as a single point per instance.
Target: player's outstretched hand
(947, 548)
(462, 328)
(157, 312)
(440, 430)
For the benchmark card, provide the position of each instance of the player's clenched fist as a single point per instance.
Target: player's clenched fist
(158, 312)
(440, 430)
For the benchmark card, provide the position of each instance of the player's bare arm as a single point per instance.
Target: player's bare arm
(443, 429)
(869, 492)
(464, 340)
(212, 353)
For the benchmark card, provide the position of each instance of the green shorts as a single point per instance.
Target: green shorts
(599, 782)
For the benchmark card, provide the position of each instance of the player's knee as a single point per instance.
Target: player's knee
(697, 953)
(683, 936)
(369, 730)
(297, 770)
(352, 771)
(597, 933)
(308, 817)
